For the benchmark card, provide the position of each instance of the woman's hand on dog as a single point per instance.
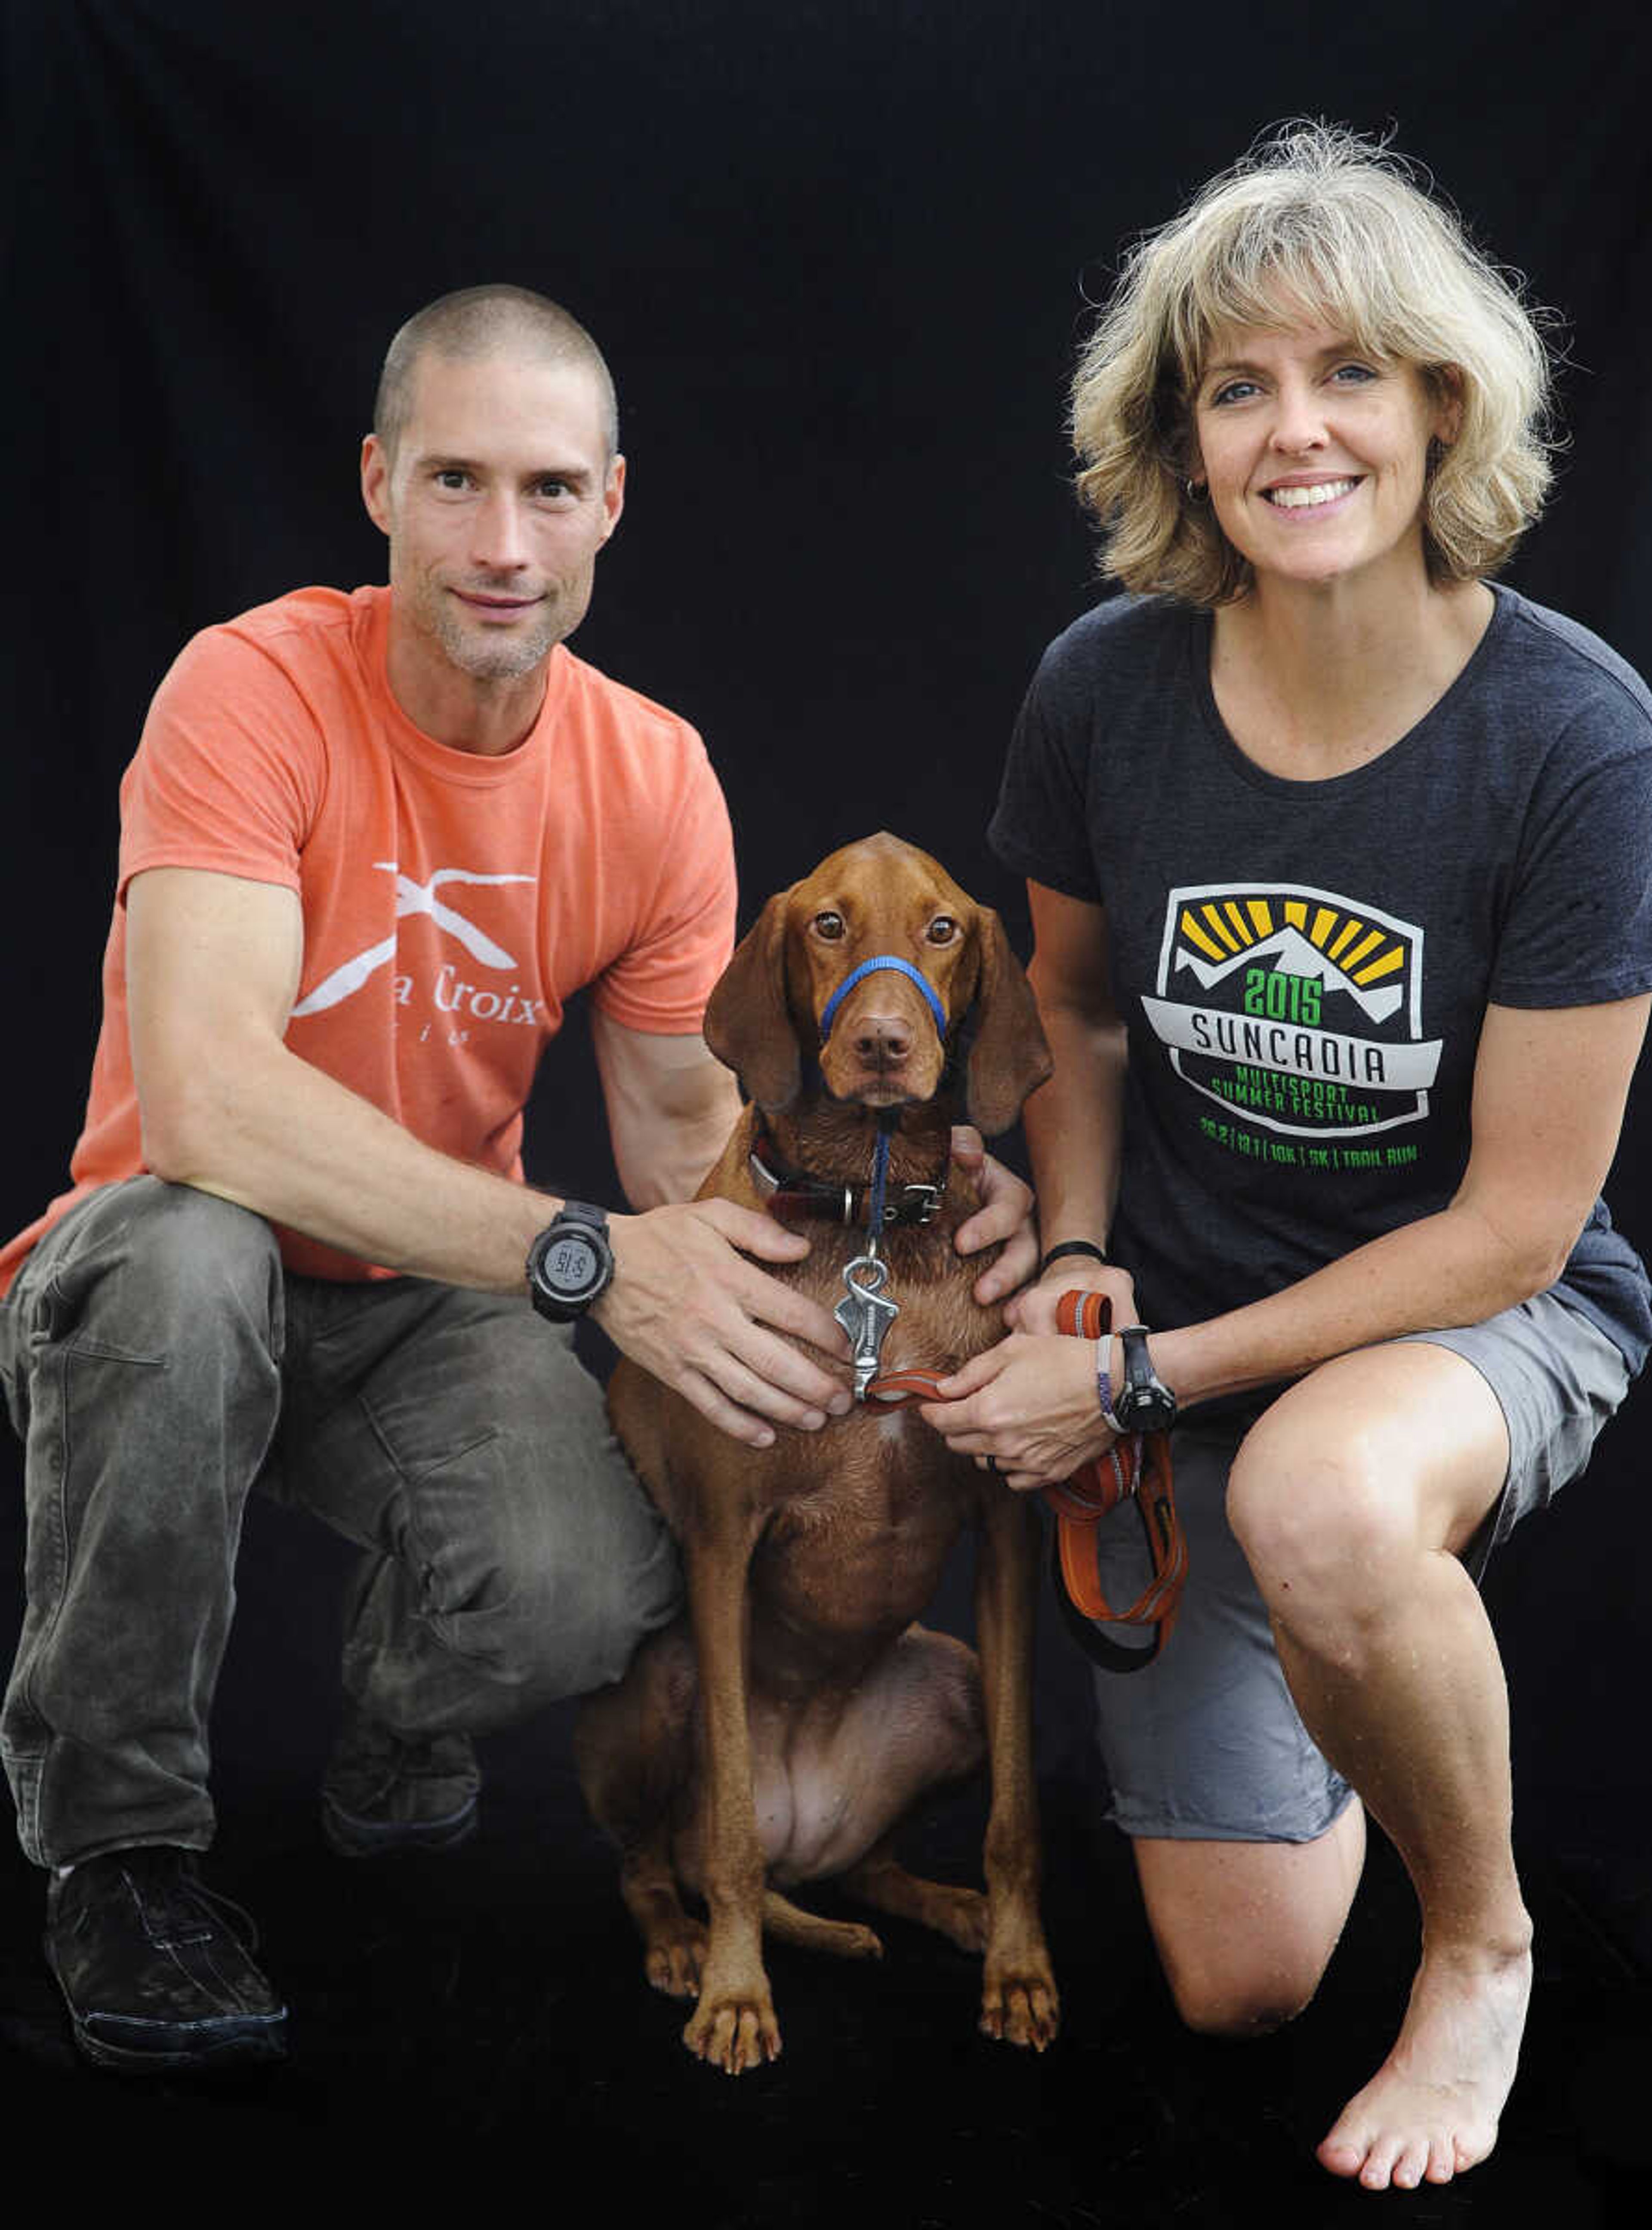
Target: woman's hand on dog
(1027, 1408)
(686, 1303)
(1004, 1217)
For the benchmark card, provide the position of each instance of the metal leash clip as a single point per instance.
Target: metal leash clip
(865, 1315)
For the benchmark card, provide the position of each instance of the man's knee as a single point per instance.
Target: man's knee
(536, 1636)
(546, 1584)
(150, 1266)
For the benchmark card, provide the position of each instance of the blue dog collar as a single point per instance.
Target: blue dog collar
(882, 960)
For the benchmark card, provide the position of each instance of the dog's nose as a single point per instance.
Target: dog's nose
(882, 1040)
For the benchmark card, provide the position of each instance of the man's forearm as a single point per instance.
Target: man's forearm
(294, 1145)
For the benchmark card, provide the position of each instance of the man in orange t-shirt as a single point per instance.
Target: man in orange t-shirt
(370, 844)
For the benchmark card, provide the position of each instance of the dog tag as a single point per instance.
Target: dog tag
(865, 1316)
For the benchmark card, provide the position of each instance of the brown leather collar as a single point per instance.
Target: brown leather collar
(787, 1191)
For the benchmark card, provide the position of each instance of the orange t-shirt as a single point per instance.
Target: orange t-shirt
(452, 903)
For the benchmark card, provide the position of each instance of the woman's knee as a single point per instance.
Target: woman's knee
(1232, 1995)
(1320, 1517)
(1244, 1930)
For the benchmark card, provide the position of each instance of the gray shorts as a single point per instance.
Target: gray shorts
(1206, 1743)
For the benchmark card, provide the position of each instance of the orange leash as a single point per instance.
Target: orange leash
(1137, 1470)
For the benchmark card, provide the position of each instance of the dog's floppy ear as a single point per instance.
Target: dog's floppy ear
(747, 1022)
(1010, 1058)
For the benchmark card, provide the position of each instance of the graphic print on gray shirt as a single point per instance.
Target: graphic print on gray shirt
(1304, 967)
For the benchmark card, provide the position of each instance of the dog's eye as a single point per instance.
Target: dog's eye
(829, 926)
(941, 930)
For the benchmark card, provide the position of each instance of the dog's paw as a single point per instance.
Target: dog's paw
(734, 2030)
(1019, 2004)
(675, 1956)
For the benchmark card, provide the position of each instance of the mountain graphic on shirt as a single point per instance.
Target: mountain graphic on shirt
(1341, 950)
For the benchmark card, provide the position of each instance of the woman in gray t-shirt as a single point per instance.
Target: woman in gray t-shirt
(1338, 868)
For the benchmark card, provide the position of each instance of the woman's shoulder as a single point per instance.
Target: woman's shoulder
(1121, 634)
(1548, 659)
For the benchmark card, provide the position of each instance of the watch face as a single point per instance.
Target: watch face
(1152, 1410)
(570, 1264)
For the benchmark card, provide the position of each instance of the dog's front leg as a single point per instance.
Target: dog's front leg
(1019, 2000)
(734, 2024)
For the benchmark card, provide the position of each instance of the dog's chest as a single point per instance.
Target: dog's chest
(858, 1543)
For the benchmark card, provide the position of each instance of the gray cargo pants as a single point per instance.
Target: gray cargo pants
(159, 1362)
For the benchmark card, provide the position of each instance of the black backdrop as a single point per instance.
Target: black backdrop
(837, 252)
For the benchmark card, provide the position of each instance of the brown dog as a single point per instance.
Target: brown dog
(780, 1733)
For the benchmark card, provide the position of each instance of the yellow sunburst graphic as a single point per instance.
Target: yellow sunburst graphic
(1221, 927)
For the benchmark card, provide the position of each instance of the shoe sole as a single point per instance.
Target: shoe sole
(351, 1838)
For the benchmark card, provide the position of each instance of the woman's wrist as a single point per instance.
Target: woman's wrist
(1077, 1249)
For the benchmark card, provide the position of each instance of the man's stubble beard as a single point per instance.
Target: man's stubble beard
(506, 660)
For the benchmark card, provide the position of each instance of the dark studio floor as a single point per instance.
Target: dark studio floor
(484, 2016)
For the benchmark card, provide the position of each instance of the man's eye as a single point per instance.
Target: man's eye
(453, 477)
(552, 489)
(1354, 374)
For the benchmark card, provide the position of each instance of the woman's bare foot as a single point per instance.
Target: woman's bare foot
(1431, 2109)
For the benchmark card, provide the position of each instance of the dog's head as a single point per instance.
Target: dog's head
(888, 1040)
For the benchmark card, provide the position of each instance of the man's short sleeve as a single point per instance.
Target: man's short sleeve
(229, 770)
(685, 931)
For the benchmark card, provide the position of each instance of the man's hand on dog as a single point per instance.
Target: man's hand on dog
(1005, 1214)
(686, 1304)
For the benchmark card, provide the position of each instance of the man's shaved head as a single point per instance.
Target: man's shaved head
(480, 321)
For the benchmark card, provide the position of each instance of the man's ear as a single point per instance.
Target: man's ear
(376, 482)
(613, 495)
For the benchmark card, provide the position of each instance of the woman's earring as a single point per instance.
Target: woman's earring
(1196, 491)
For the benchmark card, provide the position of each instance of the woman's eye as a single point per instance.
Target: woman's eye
(941, 930)
(1232, 390)
(829, 926)
(1355, 375)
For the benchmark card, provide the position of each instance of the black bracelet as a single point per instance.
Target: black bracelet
(1071, 1246)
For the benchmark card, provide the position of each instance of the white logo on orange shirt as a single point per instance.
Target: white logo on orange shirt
(412, 898)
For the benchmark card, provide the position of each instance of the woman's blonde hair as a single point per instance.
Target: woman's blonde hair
(1315, 222)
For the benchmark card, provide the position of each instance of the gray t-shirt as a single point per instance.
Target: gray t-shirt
(1304, 966)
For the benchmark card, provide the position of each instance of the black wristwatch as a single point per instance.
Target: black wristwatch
(570, 1263)
(1144, 1404)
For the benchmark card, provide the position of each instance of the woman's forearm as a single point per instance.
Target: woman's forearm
(1450, 1268)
